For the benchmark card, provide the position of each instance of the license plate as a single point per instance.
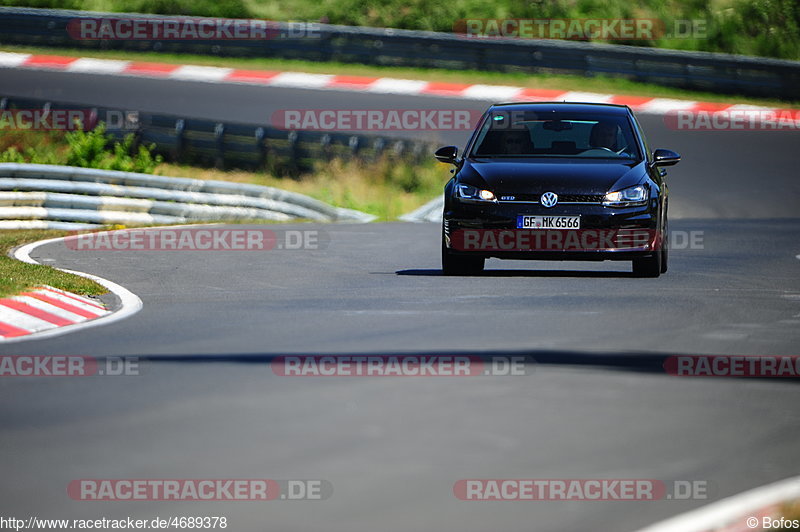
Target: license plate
(548, 222)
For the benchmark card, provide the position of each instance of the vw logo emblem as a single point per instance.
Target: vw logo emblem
(549, 199)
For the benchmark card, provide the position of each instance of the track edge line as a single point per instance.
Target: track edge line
(130, 303)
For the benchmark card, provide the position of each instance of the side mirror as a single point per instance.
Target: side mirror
(447, 154)
(665, 158)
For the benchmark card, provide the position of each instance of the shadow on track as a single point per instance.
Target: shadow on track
(527, 273)
(634, 362)
(652, 363)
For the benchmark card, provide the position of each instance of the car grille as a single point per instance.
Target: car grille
(581, 198)
(562, 198)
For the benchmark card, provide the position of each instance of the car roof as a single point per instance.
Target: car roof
(574, 107)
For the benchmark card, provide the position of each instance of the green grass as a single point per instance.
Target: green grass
(768, 28)
(603, 84)
(19, 276)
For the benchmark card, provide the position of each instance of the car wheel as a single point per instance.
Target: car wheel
(665, 248)
(453, 264)
(648, 266)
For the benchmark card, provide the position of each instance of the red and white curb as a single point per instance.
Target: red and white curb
(745, 511)
(43, 309)
(47, 312)
(302, 80)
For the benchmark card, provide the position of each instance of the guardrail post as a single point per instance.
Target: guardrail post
(133, 126)
(418, 152)
(354, 144)
(325, 144)
(261, 147)
(93, 121)
(326, 46)
(180, 126)
(398, 148)
(219, 137)
(378, 147)
(294, 159)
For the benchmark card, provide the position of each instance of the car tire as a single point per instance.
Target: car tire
(453, 264)
(665, 248)
(648, 266)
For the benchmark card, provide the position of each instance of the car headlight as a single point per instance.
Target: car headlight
(470, 193)
(627, 197)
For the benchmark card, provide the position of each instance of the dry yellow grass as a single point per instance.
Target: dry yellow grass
(386, 189)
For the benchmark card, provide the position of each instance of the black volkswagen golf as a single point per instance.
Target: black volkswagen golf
(556, 181)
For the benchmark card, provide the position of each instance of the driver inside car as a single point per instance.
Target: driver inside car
(517, 143)
(603, 135)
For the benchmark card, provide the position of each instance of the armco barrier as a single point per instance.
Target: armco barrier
(430, 212)
(724, 73)
(232, 145)
(65, 197)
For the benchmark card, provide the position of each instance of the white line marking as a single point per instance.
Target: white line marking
(491, 92)
(22, 320)
(130, 303)
(47, 307)
(397, 86)
(98, 66)
(665, 105)
(70, 295)
(10, 59)
(747, 107)
(586, 97)
(797, 257)
(727, 511)
(200, 73)
(78, 304)
(301, 80)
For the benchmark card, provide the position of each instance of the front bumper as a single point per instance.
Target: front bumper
(606, 233)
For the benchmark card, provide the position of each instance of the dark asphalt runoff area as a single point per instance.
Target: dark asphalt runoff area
(595, 403)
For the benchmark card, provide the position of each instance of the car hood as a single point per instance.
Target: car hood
(562, 176)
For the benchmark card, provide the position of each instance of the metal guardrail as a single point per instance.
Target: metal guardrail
(231, 145)
(66, 197)
(755, 76)
(430, 212)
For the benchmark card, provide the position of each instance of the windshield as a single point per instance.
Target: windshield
(531, 134)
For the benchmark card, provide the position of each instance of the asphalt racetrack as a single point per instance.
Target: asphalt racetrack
(595, 402)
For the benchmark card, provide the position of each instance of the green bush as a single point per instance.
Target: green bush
(90, 149)
(85, 149)
(12, 155)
